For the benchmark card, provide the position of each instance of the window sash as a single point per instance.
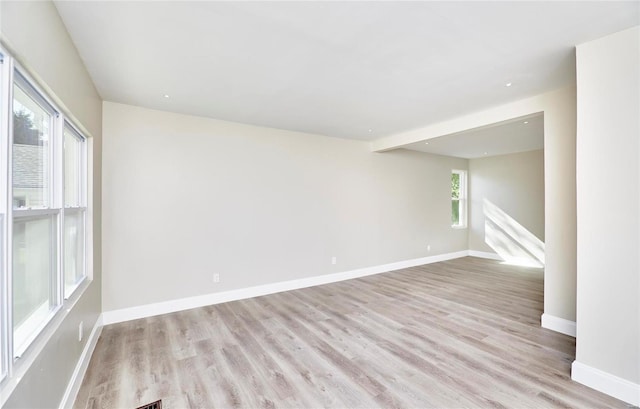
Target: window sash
(68, 212)
(30, 329)
(44, 153)
(80, 166)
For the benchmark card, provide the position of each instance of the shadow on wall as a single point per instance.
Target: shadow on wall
(512, 241)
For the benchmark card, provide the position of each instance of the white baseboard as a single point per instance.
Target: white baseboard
(166, 307)
(606, 383)
(485, 254)
(73, 387)
(558, 324)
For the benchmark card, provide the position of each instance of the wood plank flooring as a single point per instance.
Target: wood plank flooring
(460, 333)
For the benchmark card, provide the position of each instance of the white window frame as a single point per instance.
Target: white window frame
(22, 339)
(16, 359)
(462, 200)
(81, 208)
(6, 81)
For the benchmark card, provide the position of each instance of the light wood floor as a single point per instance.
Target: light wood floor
(461, 333)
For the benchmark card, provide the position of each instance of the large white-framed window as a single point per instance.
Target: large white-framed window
(36, 212)
(43, 216)
(459, 199)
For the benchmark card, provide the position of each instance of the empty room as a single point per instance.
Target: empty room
(319, 204)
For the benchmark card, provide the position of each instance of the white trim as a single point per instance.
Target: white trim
(29, 212)
(485, 254)
(557, 324)
(166, 307)
(73, 387)
(6, 90)
(606, 383)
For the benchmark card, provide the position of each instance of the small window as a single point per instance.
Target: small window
(459, 198)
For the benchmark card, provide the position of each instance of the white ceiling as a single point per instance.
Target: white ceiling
(515, 135)
(334, 68)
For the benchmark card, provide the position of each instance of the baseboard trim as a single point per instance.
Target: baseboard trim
(166, 307)
(485, 254)
(557, 324)
(606, 383)
(73, 387)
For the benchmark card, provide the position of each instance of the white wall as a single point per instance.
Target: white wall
(515, 184)
(186, 197)
(608, 181)
(36, 36)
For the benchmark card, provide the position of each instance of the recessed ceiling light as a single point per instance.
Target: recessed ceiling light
(526, 122)
(426, 143)
(166, 95)
(370, 130)
(508, 84)
(485, 153)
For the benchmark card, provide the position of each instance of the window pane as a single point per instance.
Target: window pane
(74, 270)
(455, 212)
(73, 146)
(455, 186)
(459, 198)
(31, 136)
(33, 270)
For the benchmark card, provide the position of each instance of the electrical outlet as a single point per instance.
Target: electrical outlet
(216, 277)
(334, 260)
(80, 331)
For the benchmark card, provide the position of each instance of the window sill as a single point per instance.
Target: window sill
(70, 291)
(22, 365)
(28, 331)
